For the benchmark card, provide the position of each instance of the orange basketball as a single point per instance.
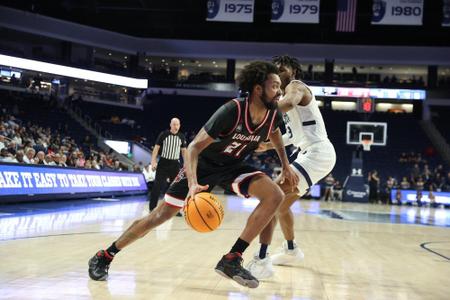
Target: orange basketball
(204, 213)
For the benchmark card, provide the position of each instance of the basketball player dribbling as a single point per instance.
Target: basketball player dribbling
(316, 157)
(216, 157)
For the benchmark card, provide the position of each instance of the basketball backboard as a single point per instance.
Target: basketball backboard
(359, 131)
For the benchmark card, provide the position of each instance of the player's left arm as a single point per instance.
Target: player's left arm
(287, 172)
(295, 93)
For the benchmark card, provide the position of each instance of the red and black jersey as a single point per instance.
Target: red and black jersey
(234, 133)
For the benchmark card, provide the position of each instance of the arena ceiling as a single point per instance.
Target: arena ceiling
(185, 19)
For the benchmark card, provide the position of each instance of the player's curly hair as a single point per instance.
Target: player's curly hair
(255, 73)
(290, 61)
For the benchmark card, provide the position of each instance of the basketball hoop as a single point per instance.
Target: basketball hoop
(366, 144)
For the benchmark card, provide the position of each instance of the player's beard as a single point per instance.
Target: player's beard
(268, 103)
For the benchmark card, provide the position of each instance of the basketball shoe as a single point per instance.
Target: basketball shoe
(288, 256)
(230, 266)
(261, 268)
(99, 265)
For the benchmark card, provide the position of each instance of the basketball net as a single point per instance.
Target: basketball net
(366, 144)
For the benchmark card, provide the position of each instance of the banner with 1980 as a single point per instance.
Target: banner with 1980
(397, 12)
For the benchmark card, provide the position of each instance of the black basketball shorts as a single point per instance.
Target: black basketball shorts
(235, 177)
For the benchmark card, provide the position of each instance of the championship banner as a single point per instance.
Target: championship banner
(397, 12)
(31, 180)
(295, 11)
(230, 10)
(446, 13)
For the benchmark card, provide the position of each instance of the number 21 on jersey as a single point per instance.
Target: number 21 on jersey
(234, 149)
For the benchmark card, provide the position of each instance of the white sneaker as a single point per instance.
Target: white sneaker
(288, 256)
(261, 268)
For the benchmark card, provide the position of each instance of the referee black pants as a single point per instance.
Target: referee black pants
(166, 171)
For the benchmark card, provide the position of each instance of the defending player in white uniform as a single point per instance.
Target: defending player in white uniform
(305, 129)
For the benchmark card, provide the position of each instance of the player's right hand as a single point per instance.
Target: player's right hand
(197, 188)
(154, 166)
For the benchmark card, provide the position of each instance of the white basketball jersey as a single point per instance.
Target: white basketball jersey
(305, 125)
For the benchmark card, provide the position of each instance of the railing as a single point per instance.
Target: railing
(87, 121)
(438, 141)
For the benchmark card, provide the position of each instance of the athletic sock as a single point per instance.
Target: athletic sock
(263, 251)
(239, 246)
(290, 244)
(112, 250)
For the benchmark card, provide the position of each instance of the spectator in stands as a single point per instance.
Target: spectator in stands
(5, 155)
(95, 165)
(19, 157)
(432, 198)
(88, 164)
(404, 184)
(337, 191)
(329, 182)
(419, 184)
(137, 168)
(398, 196)
(57, 158)
(48, 160)
(17, 138)
(29, 156)
(40, 158)
(374, 184)
(415, 172)
(80, 160)
(2, 142)
(117, 165)
(12, 146)
(62, 161)
(440, 170)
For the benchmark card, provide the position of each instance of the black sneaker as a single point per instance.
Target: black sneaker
(99, 265)
(178, 214)
(230, 266)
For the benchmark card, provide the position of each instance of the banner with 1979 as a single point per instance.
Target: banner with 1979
(295, 11)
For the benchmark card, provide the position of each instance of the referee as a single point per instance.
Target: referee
(171, 143)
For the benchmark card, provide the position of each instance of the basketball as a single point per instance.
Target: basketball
(204, 213)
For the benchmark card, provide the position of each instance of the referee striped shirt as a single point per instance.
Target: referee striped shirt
(171, 144)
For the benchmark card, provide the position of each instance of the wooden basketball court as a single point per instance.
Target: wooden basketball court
(352, 251)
